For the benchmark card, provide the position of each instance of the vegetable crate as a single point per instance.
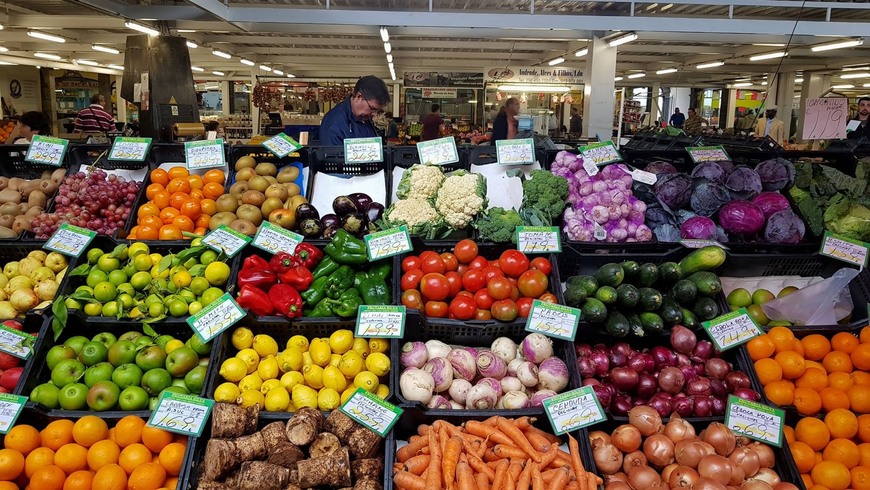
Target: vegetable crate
(331, 160)
(12, 164)
(39, 325)
(259, 153)
(10, 252)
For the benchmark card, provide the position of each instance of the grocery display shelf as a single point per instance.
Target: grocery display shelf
(16, 251)
(330, 160)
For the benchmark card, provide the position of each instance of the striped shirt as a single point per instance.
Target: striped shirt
(94, 119)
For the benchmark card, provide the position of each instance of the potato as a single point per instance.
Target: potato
(10, 195)
(37, 198)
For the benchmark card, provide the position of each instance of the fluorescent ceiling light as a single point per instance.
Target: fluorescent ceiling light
(221, 54)
(798, 80)
(849, 85)
(4, 49)
(534, 88)
(617, 79)
(265, 68)
(856, 68)
(289, 75)
(2, 27)
(742, 84)
(770, 45)
(139, 27)
(47, 56)
(637, 75)
(866, 85)
(115, 67)
(87, 62)
(389, 58)
(191, 44)
(6, 63)
(219, 73)
(278, 72)
(197, 69)
(388, 48)
(768, 56)
(622, 40)
(105, 49)
(764, 83)
(385, 36)
(712, 64)
(556, 61)
(855, 75)
(47, 37)
(472, 102)
(182, 31)
(582, 52)
(666, 71)
(246, 62)
(849, 43)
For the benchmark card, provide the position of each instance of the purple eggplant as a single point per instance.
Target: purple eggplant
(360, 199)
(374, 211)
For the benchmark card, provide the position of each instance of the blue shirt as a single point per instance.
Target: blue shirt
(677, 120)
(339, 124)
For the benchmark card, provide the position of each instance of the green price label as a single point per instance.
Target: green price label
(553, 320)
(46, 150)
(227, 240)
(70, 240)
(371, 411)
(387, 243)
(573, 410)
(701, 154)
(383, 322)
(438, 152)
(363, 150)
(10, 408)
(732, 329)
(281, 145)
(130, 149)
(16, 343)
(515, 152)
(755, 420)
(538, 239)
(600, 154)
(273, 239)
(205, 154)
(845, 249)
(220, 315)
(182, 414)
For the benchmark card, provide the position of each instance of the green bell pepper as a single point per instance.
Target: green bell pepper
(347, 303)
(339, 281)
(381, 268)
(315, 292)
(323, 308)
(326, 267)
(374, 291)
(359, 277)
(347, 249)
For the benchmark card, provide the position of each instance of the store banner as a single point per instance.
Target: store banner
(534, 74)
(826, 118)
(439, 93)
(437, 79)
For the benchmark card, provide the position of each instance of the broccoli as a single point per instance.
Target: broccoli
(498, 225)
(545, 192)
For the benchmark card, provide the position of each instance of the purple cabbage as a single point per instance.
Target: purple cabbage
(771, 202)
(710, 172)
(784, 227)
(699, 227)
(776, 174)
(741, 217)
(708, 197)
(673, 190)
(659, 167)
(744, 183)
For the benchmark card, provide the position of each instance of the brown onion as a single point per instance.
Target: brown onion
(746, 459)
(659, 450)
(766, 475)
(756, 485)
(690, 451)
(646, 419)
(744, 441)
(626, 438)
(643, 477)
(737, 475)
(683, 477)
(660, 486)
(707, 484)
(678, 429)
(720, 437)
(667, 470)
(716, 468)
(785, 486)
(618, 476)
(633, 460)
(597, 434)
(608, 459)
(617, 485)
(765, 454)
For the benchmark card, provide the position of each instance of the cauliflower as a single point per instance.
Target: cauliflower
(411, 212)
(461, 197)
(420, 181)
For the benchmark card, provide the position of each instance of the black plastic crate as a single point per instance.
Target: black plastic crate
(40, 326)
(262, 155)
(16, 251)
(330, 160)
(482, 155)
(98, 154)
(407, 156)
(12, 163)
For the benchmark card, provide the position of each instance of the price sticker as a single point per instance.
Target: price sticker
(371, 411)
(644, 177)
(182, 414)
(281, 145)
(515, 152)
(10, 408)
(205, 154)
(573, 410)
(380, 322)
(755, 420)
(363, 150)
(590, 167)
(130, 149)
(273, 239)
(845, 249)
(598, 232)
(538, 239)
(220, 315)
(696, 243)
(387, 243)
(701, 154)
(600, 153)
(553, 320)
(46, 150)
(70, 240)
(16, 343)
(732, 329)
(438, 152)
(227, 240)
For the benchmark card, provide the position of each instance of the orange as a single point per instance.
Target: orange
(864, 452)
(168, 214)
(133, 456)
(170, 484)
(861, 378)
(57, 433)
(80, 480)
(780, 392)
(817, 365)
(177, 199)
(149, 476)
(178, 172)
(808, 482)
(147, 232)
(844, 451)
(832, 475)
(155, 439)
(191, 209)
(214, 175)
(148, 209)
(798, 347)
(47, 478)
(159, 176)
(816, 346)
(807, 401)
(195, 181)
(103, 453)
(22, 438)
(8, 485)
(178, 185)
(151, 221)
(793, 364)
(783, 338)
(813, 378)
(71, 457)
(200, 231)
(861, 357)
(110, 477)
(161, 199)
(196, 194)
(833, 398)
(111, 435)
(11, 464)
(153, 189)
(90, 429)
(184, 223)
(768, 371)
(208, 206)
(860, 478)
(837, 362)
(840, 381)
(171, 457)
(864, 337)
(859, 399)
(39, 457)
(129, 430)
(789, 434)
(170, 232)
(132, 234)
(212, 190)
(844, 342)
(841, 423)
(864, 428)
(804, 456)
(812, 431)
(819, 457)
(203, 221)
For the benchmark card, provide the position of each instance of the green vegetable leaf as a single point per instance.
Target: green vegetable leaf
(192, 252)
(59, 317)
(82, 270)
(165, 263)
(147, 330)
(82, 296)
(118, 252)
(197, 270)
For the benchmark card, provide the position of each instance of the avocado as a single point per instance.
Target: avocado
(616, 324)
(635, 325)
(684, 291)
(631, 269)
(669, 273)
(670, 312)
(588, 283)
(708, 284)
(628, 295)
(690, 320)
(575, 296)
(610, 275)
(606, 295)
(703, 259)
(652, 323)
(593, 311)
(706, 309)
(648, 276)
(650, 299)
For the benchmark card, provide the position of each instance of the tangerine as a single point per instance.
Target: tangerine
(841, 423)
(149, 476)
(195, 181)
(768, 371)
(798, 347)
(864, 336)
(844, 342)
(793, 364)
(161, 199)
(153, 189)
(807, 401)
(177, 199)
(184, 223)
(860, 477)
(170, 232)
(861, 357)
(178, 185)
(861, 378)
(804, 456)
(203, 221)
(813, 432)
(864, 452)
(859, 398)
(843, 451)
(789, 434)
(133, 456)
(864, 428)
(837, 362)
(159, 176)
(147, 232)
(39, 457)
(840, 381)
(832, 398)
(103, 453)
(148, 209)
(90, 429)
(200, 231)
(71, 457)
(22, 438)
(155, 439)
(783, 338)
(110, 477)
(808, 482)
(212, 190)
(57, 433)
(171, 458)
(208, 206)
(832, 475)
(191, 209)
(168, 214)
(47, 478)
(780, 392)
(214, 175)
(11, 464)
(816, 346)
(178, 172)
(196, 194)
(813, 378)
(151, 220)
(79, 480)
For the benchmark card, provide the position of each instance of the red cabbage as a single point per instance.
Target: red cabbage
(710, 172)
(771, 202)
(673, 190)
(659, 167)
(741, 217)
(744, 183)
(699, 227)
(708, 197)
(784, 227)
(776, 173)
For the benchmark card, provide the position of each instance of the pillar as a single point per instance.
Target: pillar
(785, 100)
(397, 94)
(598, 100)
(731, 94)
(814, 85)
(654, 109)
(226, 97)
(121, 103)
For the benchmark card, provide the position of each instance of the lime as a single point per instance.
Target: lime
(126, 300)
(194, 307)
(379, 345)
(198, 285)
(140, 280)
(85, 289)
(303, 396)
(110, 309)
(271, 384)
(217, 273)
(156, 274)
(72, 304)
(210, 295)
(367, 381)
(341, 341)
(233, 369)
(187, 295)
(135, 313)
(761, 296)
(277, 400)
(137, 248)
(177, 307)
(351, 364)
(93, 309)
(142, 262)
(208, 257)
(320, 352)
(168, 285)
(328, 400)
(251, 382)
(129, 269)
(94, 255)
(334, 379)
(95, 277)
(105, 291)
(123, 253)
(107, 263)
(378, 363)
(313, 375)
(126, 288)
(242, 338)
(250, 357)
(249, 398)
(298, 341)
(156, 310)
(265, 345)
(153, 299)
(117, 277)
(757, 315)
(196, 242)
(291, 379)
(226, 392)
(268, 368)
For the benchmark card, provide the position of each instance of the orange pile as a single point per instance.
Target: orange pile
(86, 454)
(6, 130)
(178, 202)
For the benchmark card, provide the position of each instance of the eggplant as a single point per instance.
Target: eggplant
(343, 205)
(330, 220)
(362, 200)
(374, 211)
(329, 231)
(354, 223)
(306, 211)
(311, 228)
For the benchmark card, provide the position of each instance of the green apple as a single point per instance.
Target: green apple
(786, 291)
(122, 352)
(151, 357)
(203, 361)
(105, 338)
(45, 395)
(181, 360)
(156, 380)
(131, 336)
(144, 341)
(152, 403)
(57, 354)
(133, 398)
(195, 379)
(76, 343)
(175, 389)
(761, 296)
(178, 382)
(67, 372)
(163, 339)
(127, 375)
(103, 396)
(73, 396)
(102, 371)
(93, 352)
(198, 346)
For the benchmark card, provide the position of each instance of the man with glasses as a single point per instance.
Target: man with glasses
(352, 118)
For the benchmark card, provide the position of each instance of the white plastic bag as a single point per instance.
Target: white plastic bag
(824, 303)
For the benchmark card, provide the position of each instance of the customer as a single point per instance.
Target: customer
(693, 123)
(771, 126)
(30, 124)
(505, 125)
(352, 118)
(392, 127)
(432, 124)
(863, 129)
(677, 118)
(95, 119)
(576, 122)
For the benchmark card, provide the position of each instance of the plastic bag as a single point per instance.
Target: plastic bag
(824, 303)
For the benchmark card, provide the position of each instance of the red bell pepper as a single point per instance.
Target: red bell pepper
(286, 300)
(255, 300)
(298, 277)
(259, 278)
(308, 255)
(282, 262)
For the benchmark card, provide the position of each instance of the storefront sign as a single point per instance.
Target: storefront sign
(448, 79)
(826, 118)
(439, 93)
(534, 74)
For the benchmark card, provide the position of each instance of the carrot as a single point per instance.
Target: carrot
(414, 446)
(479, 466)
(500, 475)
(539, 442)
(591, 481)
(487, 432)
(576, 462)
(548, 475)
(510, 483)
(417, 465)
(537, 479)
(433, 479)
(514, 470)
(524, 422)
(548, 457)
(452, 450)
(464, 476)
(509, 452)
(423, 429)
(489, 455)
(572, 485)
(518, 437)
(408, 481)
(525, 477)
(443, 438)
(550, 437)
(490, 421)
(560, 480)
(481, 481)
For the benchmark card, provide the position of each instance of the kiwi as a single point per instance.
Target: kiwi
(245, 174)
(245, 162)
(250, 213)
(239, 188)
(266, 168)
(255, 198)
(226, 203)
(222, 218)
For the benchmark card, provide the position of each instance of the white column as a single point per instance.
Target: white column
(122, 104)
(732, 105)
(814, 85)
(785, 100)
(598, 97)
(654, 109)
(397, 94)
(226, 96)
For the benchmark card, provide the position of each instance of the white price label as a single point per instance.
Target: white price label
(70, 240)
(227, 240)
(371, 411)
(182, 414)
(273, 239)
(46, 150)
(845, 249)
(553, 320)
(515, 152)
(538, 239)
(440, 151)
(590, 167)
(600, 153)
(10, 408)
(732, 329)
(383, 322)
(755, 420)
(388, 243)
(696, 243)
(644, 177)
(573, 410)
(220, 315)
(16, 343)
(701, 154)
(130, 149)
(599, 232)
(205, 154)
(363, 150)
(281, 145)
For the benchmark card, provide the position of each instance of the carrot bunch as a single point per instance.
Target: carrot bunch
(495, 454)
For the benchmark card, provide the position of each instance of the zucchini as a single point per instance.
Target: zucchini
(702, 259)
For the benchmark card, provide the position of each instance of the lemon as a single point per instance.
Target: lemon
(277, 400)
(383, 392)
(351, 364)
(250, 358)
(303, 396)
(233, 369)
(290, 359)
(313, 375)
(306, 359)
(217, 273)
(156, 258)
(361, 347)
(367, 381)
(378, 363)
(334, 379)
(137, 248)
(341, 341)
(226, 392)
(320, 352)
(172, 345)
(268, 368)
(334, 359)
(265, 345)
(350, 390)
(242, 338)
(249, 398)
(181, 279)
(298, 341)
(291, 379)
(251, 382)
(269, 385)
(156, 274)
(379, 345)
(328, 400)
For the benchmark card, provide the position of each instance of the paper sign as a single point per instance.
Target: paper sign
(70, 240)
(46, 150)
(697, 243)
(755, 420)
(845, 249)
(438, 152)
(573, 410)
(538, 239)
(16, 343)
(371, 411)
(515, 152)
(281, 145)
(825, 118)
(205, 154)
(701, 154)
(216, 317)
(10, 408)
(382, 322)
(598, 232)
(732, 329)
(553, 320)
(853, 125)
(182, 414)
(273, 239)
(644, 177)
(590, 167)
(130, 149)
(227, 240)
(600, 153)
(363, 150)
(388, 243)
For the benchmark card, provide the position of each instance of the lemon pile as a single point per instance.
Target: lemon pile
(319, 374)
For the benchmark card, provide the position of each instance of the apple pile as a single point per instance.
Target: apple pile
(128, 372)
(10, 366)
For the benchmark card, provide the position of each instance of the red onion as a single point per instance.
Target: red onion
(747, 394)
(699, 387)
(720, 437)
(717, 368)
(659, 450)
(624, 378)
(679, 429)
(617, 358)
(683, 360)
(718, 389)
(703, 350)
(624, 348)
(683, 477)
(646, 419)
(414, 354)
(639, 401)
(715, 467)
(536, 347)
(601, 362)
(633, 459)
(626, 438)
(620, 405)
(588, 382)
(702, 406)
(643, 477)
(689, 373)
(663, 357)
(682, 339)
(553, 374)
(641, 362)
(603, 394)
(737, 379)
(662, 403)
(671, 380)
(718, 405)
(647, 385)
(583, 350)
(585, 365)
(491, 365)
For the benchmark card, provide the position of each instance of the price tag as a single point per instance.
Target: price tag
(732, 329)
(696, 243)
(538, 239)
(10, 408)
(701, 154)
(438, 152)
(598, 232)
(387, 243)
(573, 410)
(553, 320)
(755, 420)
(227, 240)
(205, 154)
(273, 239)
(644, 177)
(220, 315)
(590, 167)
(130, 149)
(16, 343)
(46, 150)
(70, 240)
(281, 145)
(600, 153)
(371, 411)
(515, 152)
(845, 249)
(381, 322)
(363, 150)
(182, 414)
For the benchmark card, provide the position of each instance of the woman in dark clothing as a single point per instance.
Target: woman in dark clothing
(504, 127)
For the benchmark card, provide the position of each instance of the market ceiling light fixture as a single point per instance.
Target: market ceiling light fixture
(265, 68)
(389, 58)
(535, 88)
(637, 75)
(289, 75)
(115, 67)
(47, 37)
(768, 56)
(388, 48)
(385, 36)
(582, 52)
(219, 73)
(617, 79)
(278, 72)
(849, 43)
(247, 62)
(856, 68)
(4, 49)
(221, 54)
(848, 85)
(87, 62)
(855, 75)
(556, 61)
(627, 38)
(47, 56)
(105, 49)
(742, 84)
(139, 27)
(712, 64)
(191, 44)
(197, 69)
(798, 80)
(666, 71)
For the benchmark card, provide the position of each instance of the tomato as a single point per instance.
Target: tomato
(513, 263)
(411, 262)
(467, 294)
(436, 309)
(542, 265)
(483, 314)
(411, 279)
(478, 263)
(504, 310)
(455, 282)
(435, 287)
(515, 293)
(427, 254)
(533, 283)
(524, 307)
(491, 272)
(473, 281)
(465, 251)
(513, 281)
(433, 263)
(483, 299)
(462, 269)
(548, 298)
(463, 308)
(499, 288)
(450, 261)
(412, 299)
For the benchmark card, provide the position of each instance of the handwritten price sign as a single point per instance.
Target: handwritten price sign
(755, 420)
(538, 239)
(600, 153)
(382, 322)
(273, 239)
(363, 150)
(515, 152)
(10, 408)
(438, 152)
(182, 414)
(845, 249)
(220, 315)
(388, 243)
(732, 329)
(46, 150)
(574, 410)
(227, 240)
(553, 320)
(70, 240)
(371, 411)
(130, 149)
(701, 154)
(16, 343)
(825, 118)
(205, 154)
(281, 145)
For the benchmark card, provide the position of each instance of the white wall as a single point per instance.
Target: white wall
(28, 77)
(680, 97)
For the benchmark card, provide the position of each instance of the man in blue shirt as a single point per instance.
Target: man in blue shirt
(352, 118)
(677, 118)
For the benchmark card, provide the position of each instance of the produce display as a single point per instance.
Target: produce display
(476, 288)
(319, 373)
(31, 282)
(11, 367)
(506, 376)
(544, 195)
(752, 301)
(6, 128)
(22, 200)
(828, 199)
(645, 299)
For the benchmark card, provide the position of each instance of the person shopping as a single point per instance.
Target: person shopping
(31, 124)
(771, 126)
(94, 119)
(505, 125)
(352, 118)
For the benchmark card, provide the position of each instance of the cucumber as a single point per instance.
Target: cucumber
(631, 269)
(650, 299)
(616, 324)
(635, 325)
(588, 283)
(706, 309)
(708, 283)
(652, 323)
(669, 273)
(648, 276)
(702, 259)
(684, 291)
(593, 311)
(670, 312)
(628, 295)
(610, 275)
(575, 296)
(690, 320)
(606, 295)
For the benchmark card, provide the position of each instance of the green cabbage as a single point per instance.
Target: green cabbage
(848, 218)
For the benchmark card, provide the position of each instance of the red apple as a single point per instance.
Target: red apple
(13, 324)
(9, 378)
(8, 361)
